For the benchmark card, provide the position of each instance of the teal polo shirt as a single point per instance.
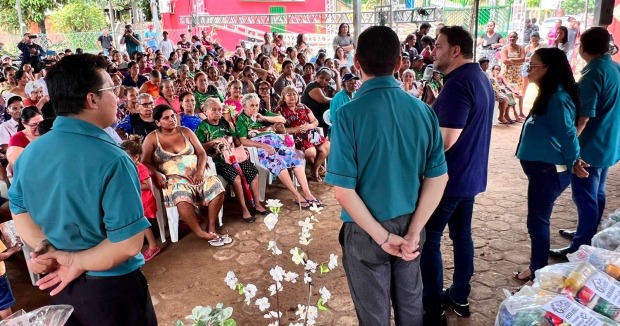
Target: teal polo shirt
(551, 137)
(600, 101)
(384, 142)
(80, 187)
(341, 98)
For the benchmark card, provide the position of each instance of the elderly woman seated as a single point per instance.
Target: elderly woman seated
(301, 122)
(176, 152)
(216, 135)
(257, 130)
(34, 90)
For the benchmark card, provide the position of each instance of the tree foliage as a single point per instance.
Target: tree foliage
(32, 11)
(79, 16)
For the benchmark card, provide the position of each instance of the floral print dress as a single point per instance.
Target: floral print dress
(298, 117)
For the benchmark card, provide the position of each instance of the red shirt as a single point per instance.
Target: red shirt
(148, 200)
(19, 140)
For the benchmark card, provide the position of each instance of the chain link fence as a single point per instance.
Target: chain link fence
(464, 17)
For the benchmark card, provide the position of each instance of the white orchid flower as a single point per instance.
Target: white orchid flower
(272, 288)
(263, 303)
(325, 294)
(304, 241)
(277, 273)
(298, 256)
(306, 225)
(316, 209)
(274, 205)
(270, 221)
(301, 311)
(250, 292)
(273, 246)
(333, 261)
(307, 278)
(273, 314)
(231, 280)
(313, 313)
(291, 277)
(311, 266)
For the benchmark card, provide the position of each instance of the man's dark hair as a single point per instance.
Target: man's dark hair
(378, 50)
(71, 79)
(458, 36)
(483, 60)
(127, 26)
(425, 26)
(131, 64)
(68, 51)
(19, 74)
(595, 41)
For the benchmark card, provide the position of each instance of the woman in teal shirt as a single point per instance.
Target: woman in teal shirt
(548, 148)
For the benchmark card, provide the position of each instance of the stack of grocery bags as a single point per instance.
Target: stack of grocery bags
(584, 291)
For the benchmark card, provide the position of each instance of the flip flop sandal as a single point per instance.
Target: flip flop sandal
(226, 239)
(150, 253)
(218, 242)
(303, 204)
(515, 275)
(318, 202)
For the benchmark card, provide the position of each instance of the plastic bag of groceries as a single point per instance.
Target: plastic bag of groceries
(611, 219)
(608, 238)
(56, 315)
(533, 307)
(604, 260)
(590, 287)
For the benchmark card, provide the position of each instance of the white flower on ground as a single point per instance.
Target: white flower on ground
(272, 288)
(273, 246)
(273, 314)
(301, 311)
(325, 295)
(250, 292)
(313, 313)
(277, 273)
(231, 280)
(307, 278)
(316, 209)
(298, 256)
(306, 225)
(270, 221)
(304, 239)
(333, 261)
(296, 324)
(274, 205)
(311, 266)
(263, 303)
(291, 277)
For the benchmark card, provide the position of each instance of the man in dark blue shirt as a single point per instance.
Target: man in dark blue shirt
(465, 112)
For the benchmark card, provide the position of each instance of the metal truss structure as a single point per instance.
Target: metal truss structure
(417, 15)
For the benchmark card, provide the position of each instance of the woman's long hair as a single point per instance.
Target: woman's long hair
(565, 30)
(558, 72)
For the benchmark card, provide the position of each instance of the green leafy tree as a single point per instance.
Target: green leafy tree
(32, 11)
(79, 16)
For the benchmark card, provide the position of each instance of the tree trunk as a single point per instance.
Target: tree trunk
(41, 25)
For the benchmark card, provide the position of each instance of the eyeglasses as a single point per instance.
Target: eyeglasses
(263, 89)
(147, 104)
(529, 68)
(33, 125)
(111, 88)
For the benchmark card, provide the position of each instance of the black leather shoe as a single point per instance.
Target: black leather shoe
(561, 252)
(435, 319)
(461, 309)
(568, 234)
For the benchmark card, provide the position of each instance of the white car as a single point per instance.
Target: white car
(549, 23)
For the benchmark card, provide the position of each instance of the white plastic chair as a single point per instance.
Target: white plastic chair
(327, 117)
(172, 214)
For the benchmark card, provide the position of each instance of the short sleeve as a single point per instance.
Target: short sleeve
(16, 194)
(342, 165)
(589, 88)
(270, 113)
(242, 127)
(202, 132)
(562, 113)
(143, 172)
(19, 140)
(4, 134)
(453, 106)
(122, 202)
(125, 124)
(435, 159)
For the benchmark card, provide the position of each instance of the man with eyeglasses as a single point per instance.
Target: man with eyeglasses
(89, 234)
(8, 128)
(140, 123)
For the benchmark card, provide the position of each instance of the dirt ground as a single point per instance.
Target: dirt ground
(191, 273)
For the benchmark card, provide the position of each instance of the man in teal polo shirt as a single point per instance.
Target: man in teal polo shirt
(389, 171)
(599, 135)
(75, 189)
